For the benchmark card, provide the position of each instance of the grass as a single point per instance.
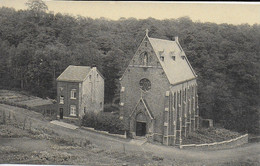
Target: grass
(209, 135)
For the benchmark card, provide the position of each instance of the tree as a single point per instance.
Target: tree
(37, 5)
(35, 47)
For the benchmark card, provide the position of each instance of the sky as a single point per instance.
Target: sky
(217, 12)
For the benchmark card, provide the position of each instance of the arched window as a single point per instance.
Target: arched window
(140, 117)
(144, 58)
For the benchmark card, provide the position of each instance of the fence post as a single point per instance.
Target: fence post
(30, 124)
(4, 120)
(124, 148)
(24, 123)
(9, 116)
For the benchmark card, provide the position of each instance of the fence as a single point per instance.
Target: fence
(219, 145)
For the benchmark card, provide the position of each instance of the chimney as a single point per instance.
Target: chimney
(176, 38)
(146, 32)
(93, 65)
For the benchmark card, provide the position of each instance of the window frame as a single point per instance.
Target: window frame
(73, 94)
(61, 99)
(73, 111)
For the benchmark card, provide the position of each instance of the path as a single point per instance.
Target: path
(63, 124)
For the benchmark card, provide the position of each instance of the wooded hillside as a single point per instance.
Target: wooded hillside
(35, 47)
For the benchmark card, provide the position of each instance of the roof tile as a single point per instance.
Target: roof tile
(74, 73)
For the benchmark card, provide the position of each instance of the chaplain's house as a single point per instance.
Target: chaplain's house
(80, 89)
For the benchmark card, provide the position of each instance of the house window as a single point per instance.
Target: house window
(173, 57)
(101, 104)
(72, 110)
(73, 94)
(61, 100)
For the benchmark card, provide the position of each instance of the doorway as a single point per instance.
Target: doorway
(140, 128)
(61, 113)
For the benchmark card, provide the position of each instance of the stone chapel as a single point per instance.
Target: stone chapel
(158, 96)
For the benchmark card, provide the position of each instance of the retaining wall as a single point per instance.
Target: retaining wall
(104, 132)
(219, 145)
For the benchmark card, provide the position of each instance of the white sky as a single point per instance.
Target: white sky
(218, 12)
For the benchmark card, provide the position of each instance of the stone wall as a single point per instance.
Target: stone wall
(219, 145)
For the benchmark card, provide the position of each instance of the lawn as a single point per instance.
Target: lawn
(209, 135)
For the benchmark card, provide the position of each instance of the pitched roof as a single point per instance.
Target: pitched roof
(177, 70)
(74, 73)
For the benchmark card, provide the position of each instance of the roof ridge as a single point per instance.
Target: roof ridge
(162, 39)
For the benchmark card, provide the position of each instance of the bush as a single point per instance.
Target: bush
(110, 108)
(103, 121)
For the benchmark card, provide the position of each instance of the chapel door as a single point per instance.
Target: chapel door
(141, 124)
(140, 129)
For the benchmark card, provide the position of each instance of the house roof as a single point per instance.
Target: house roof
(177, 70)
(74, 73)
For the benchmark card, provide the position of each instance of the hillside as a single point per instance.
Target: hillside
(35, 47)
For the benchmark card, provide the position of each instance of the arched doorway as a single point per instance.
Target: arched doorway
(141, 124)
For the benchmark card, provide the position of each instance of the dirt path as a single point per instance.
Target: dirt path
(245, 155)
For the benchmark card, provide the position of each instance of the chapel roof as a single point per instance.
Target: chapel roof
(178, 69)
(74, 73)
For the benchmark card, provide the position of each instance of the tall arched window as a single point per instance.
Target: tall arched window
(144, 58)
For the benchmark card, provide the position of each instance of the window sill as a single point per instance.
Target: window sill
(73, 115)
(73, 98)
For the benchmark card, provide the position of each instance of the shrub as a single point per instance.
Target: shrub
(110, 108)
(103, 121)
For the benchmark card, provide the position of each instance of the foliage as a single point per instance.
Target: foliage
(209, 135)
(103, 121)
(111, 108)
(37, 5)
(36, 47)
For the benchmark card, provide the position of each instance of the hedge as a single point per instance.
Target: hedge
(103, 121)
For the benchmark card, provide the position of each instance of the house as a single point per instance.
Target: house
(80, 89)
(158, 96)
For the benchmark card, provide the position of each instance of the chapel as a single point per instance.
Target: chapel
(158, 96)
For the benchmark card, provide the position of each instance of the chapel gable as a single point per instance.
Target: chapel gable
(145, 56)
